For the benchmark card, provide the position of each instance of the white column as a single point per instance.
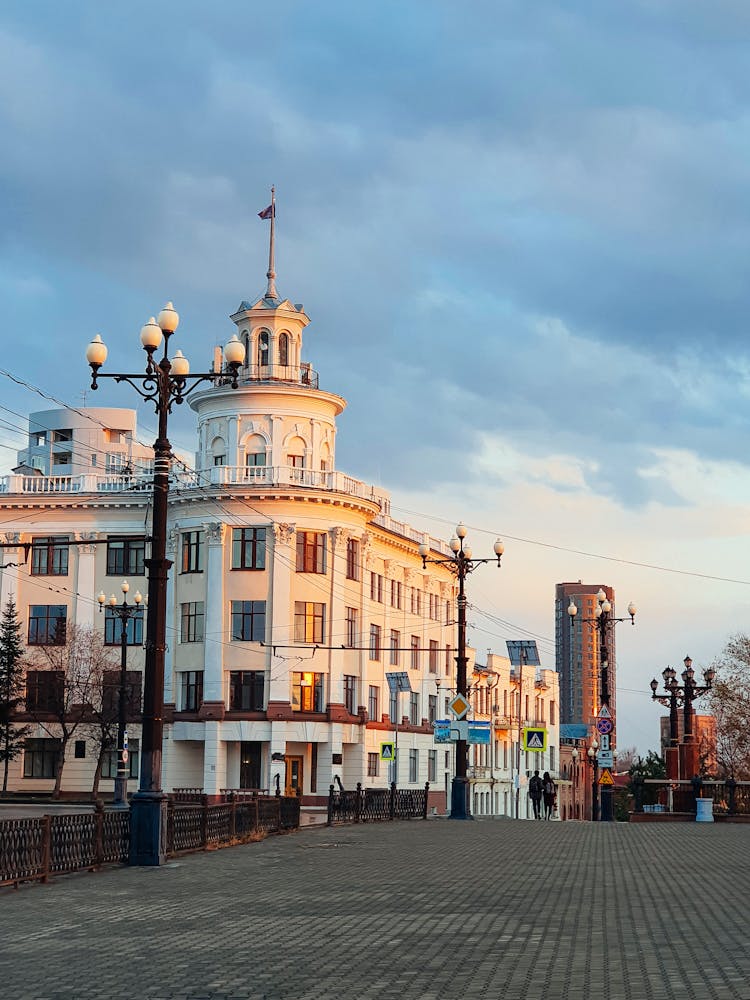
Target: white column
(281, 618)
(84, 584)
(335, 616)
(214, 759)
(213, 670)
(9, 575)
(233, 441)
(277, 444)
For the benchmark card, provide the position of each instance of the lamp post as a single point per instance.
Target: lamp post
(604, 621)
(574, 756)
(163, 383)
(681, 694)
(461, 563)
(124, 612)
(593, 758)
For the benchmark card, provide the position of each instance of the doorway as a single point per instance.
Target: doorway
(250, 754)
(293, 780)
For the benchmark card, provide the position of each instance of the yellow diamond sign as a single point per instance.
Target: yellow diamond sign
(459, 706)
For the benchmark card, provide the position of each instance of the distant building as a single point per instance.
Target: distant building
(577, 652)
(704, 732)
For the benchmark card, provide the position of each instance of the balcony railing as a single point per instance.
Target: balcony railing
(266, 374)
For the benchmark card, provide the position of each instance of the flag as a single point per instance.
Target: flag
(266, 213)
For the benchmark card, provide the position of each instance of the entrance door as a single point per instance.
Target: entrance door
(250, 765)
(293, 781)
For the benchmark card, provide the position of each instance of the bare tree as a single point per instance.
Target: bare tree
(626, 757)
(63, 683)
(730, 705)
(102, 723)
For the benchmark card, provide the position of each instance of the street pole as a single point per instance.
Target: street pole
(164, 383)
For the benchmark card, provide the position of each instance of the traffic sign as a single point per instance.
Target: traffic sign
(125, 756)
(478, 732)
(459, 706)
(604, 743)
(387, 751)
(398, 680)
(442, 730)
(606, 758)
(605, 778)
(604, 712)
(604, 726)
(535, 739)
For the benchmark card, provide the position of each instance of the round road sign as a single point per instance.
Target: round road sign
(604, 726)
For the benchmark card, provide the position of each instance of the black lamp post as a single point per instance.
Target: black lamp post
(604, 621)
(592, 754)
(460, 564)
(124, 612)
(164, 382)
(681, 694)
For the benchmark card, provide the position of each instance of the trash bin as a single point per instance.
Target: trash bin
(704, 810)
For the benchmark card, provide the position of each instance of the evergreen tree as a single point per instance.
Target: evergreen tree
(12, 736)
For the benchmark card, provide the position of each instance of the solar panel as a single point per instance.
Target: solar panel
(523, 651)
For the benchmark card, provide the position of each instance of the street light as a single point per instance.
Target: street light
(124, 612)
(593, 758)
(604, 621)
(461, 563)
(574, 755)
(165, 382)
(681, 694)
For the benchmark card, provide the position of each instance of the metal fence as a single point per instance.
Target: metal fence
(659, 795)
(37, 847)
(362, 805)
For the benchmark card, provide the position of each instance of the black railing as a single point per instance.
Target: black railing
(35, 848)
(659, 795)
(363, 805)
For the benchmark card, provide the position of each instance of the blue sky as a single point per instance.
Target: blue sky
(522, 232)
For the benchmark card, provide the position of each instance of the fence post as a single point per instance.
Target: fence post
(98, 833)
(46, 847)
(256, 824)
(392, 808)
(232, 817)
(358, 802)
(426, 796)
(204, 821)
(697, 783)
(638, 792)
(731, 790)
(330, 806)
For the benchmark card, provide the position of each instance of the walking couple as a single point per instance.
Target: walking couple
(542, 789)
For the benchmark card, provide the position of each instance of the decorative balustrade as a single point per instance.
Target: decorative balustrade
(660, 795)
(362, 805)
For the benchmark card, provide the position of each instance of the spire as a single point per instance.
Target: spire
(271, 273)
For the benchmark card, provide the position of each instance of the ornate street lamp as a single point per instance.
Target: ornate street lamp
(681, 694)
(604, 621)
(461, 563)
(124, 612)
(593, 759)
(165, 382)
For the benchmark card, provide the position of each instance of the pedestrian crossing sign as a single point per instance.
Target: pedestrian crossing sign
(535, 739)
(387, 751)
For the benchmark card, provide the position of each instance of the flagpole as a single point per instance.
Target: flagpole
(271, 274)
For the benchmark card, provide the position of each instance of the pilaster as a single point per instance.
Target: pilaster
(85, 580)
(213, 674)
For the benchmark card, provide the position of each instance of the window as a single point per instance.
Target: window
(552, 713)
(448, 613)
(552, 758)
(351, 626)
(125, 556)
(307, 692)
(79, 749)
(111, 694)
(192, 552)
(395, 642)
(376, 587)
(413, 765)
(246, 690)
(47, 624)
(113, 628)
(109, 764)
(309, 622)
(38, 439)
(414, 654)
(414, 708)
(192, 690)
(373, 703)
(248, 548)
(62, 435)
(45, 690)
(396, 594)
(284, 349)
(373, 765)
(350, 694)
(263, 348)
(416, 601)
(297, 463)
(191, 621)
(352, 559)
(249, 621)
(220, 459)
(432, 765)
(40, 758)
(62, 458)
(433, 656)
(432, 708)
(255, 460)
(49, 556)
(311, 552)
(374, 642)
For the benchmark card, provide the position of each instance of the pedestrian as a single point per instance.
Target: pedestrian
(535, 794)
(549, 792)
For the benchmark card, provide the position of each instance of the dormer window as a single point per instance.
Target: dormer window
(263, 349)
(284, 350)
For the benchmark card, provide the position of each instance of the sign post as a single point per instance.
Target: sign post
(398, 681)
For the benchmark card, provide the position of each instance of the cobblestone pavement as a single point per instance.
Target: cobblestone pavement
(425, 910)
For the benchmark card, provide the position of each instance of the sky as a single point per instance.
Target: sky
(522, 234)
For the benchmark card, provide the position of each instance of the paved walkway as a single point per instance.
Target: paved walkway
(414, 911)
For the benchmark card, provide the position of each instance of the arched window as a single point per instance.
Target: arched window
(255, 457)
(284, 350)
(263, 348)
